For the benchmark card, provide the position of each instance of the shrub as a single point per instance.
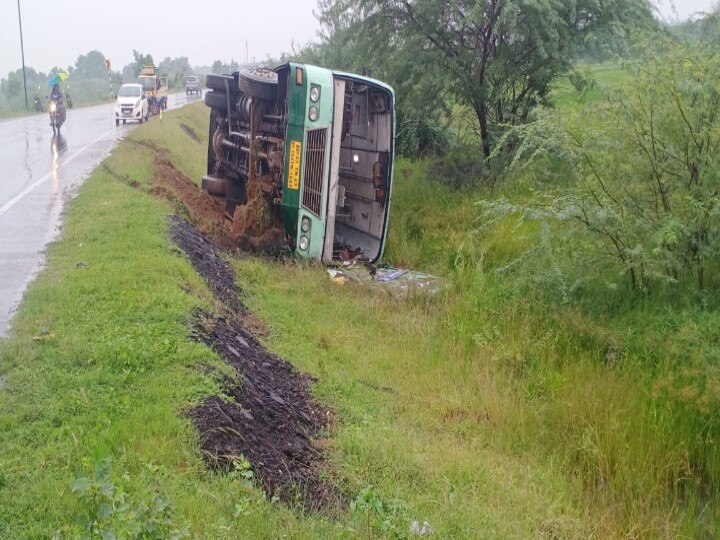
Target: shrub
(645, 165)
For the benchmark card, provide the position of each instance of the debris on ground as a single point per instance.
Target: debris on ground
(399, 280)
(273, 422)
(190, 132)
(417, 530)
(204, 212)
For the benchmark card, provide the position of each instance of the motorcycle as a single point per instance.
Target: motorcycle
(57, 115)
(68, 100)
(38, 105)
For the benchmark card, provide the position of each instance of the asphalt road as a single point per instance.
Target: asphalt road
(39, 173)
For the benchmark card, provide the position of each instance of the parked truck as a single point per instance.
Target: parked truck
(155, 87)
(315, 145)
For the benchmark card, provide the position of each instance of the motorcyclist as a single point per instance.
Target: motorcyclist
(56, 94)
(57, 97)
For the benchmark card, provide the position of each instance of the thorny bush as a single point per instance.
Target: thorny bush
(646, 168)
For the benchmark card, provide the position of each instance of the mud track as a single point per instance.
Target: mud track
(273, 421)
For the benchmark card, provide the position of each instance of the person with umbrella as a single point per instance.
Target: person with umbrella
(57, 108)
(56, 94)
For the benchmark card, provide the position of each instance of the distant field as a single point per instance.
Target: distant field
(603, 78)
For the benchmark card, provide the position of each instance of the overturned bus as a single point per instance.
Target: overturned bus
(315, 146)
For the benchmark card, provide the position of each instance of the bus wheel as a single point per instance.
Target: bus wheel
(216, 100)
(260, 83)
(217, 82)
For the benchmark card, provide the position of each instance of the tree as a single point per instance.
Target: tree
(219, 67)
(499, 57)
(176, 70)
(421, 99)
(90, 66)
(128, 74)
(140, 61)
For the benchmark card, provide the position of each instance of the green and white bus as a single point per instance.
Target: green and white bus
(317, 145)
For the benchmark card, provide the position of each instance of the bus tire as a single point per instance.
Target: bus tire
(216, 100)
(217, 82)
(260, 83)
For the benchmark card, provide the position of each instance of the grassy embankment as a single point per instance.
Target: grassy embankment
(485, 413)
(99, 365)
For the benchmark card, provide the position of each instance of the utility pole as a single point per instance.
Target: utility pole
(22, 51)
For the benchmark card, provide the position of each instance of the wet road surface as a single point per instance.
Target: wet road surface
(39, 173)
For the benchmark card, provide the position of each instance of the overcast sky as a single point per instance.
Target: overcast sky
(683, 9)
(56, 32)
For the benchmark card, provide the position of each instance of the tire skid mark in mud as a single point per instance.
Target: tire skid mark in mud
(273, 422)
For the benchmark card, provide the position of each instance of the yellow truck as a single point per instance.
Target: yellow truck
(155, 87)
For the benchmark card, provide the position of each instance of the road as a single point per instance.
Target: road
(39, 173)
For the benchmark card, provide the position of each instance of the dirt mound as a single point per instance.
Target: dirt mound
(274, 419)
(252, 218)
(255, 228)
(205, 213)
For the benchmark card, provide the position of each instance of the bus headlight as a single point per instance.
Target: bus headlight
(304, 243)
(313, 114)
(305, 224)
(315, 94)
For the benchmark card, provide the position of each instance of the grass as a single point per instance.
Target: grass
(99, 365)
(601, 79)
(485, 412)
(423, 418)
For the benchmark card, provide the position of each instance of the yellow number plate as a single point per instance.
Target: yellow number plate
(294, 172)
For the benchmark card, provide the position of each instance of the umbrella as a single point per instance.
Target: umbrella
(57, 78)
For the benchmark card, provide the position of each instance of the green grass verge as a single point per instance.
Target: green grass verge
(508, 414)
(99, 365)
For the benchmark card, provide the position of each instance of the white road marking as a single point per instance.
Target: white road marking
(20, 196)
